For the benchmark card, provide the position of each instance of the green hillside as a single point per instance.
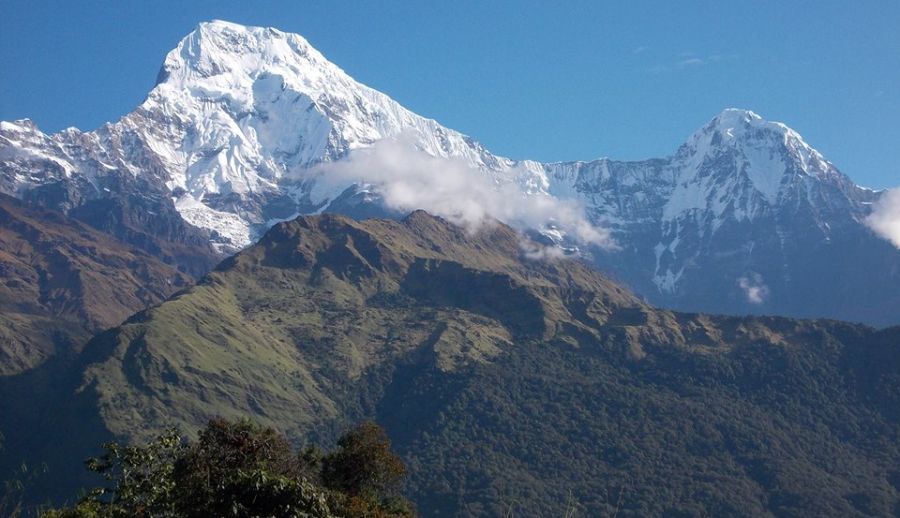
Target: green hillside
(505, 382)
(61, 281)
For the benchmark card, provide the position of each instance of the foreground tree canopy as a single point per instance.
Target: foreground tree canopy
(240, 469)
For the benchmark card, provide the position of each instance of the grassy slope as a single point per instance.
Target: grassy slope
(61, 281)
(509, 382)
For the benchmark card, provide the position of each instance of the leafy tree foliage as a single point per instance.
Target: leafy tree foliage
(141, 481)
(224, 456)
(262, 493)
(365, 473)
(242, 470)
(364, 463)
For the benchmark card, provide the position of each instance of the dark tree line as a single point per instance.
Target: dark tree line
(240, 469)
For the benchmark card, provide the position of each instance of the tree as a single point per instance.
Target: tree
(141, 481)
(260, 493)
(224, 448)
(242, 470)
(364, 464)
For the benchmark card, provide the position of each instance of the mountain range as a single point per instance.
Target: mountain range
(244, 125)
(542, 339)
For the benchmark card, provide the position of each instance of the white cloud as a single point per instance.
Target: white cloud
(885, 217)
(408, 179)
(537, 252)
(689, 60)
(754, 288)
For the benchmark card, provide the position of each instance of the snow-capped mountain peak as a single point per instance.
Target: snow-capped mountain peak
(733, 118)
(237, 108)
(741, 129)
(740, 171)
(231, 56)
(284, 103)
(738, 151)
(736, 173)
(237, 115)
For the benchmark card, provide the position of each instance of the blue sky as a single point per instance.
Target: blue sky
(529, 79)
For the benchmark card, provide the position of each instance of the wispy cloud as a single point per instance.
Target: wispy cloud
(407, 179)
(885, 217)
(754, 288)
(689, 60)
(640, 49)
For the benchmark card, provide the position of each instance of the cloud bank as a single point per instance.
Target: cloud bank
(885, 217)
(407, 179)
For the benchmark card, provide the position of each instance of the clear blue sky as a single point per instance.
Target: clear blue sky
(530, 79)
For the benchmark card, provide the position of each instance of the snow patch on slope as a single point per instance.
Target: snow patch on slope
(229, 230)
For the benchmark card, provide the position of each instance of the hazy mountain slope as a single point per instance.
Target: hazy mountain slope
(61, 281)
(507, 381)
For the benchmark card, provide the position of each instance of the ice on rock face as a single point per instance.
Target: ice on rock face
(228, 227)
(30, 157)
